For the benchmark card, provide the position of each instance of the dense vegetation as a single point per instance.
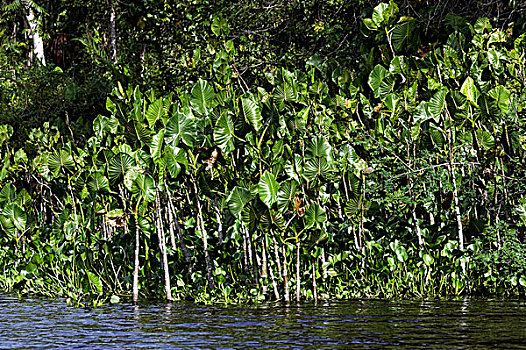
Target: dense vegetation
(325, 149)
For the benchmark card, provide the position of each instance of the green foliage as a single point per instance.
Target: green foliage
(395, 170)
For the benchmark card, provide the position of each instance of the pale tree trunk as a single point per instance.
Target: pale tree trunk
(162, 247)
(201, 227)
(298, 271)
(286, 292)
(453, 175)
(314, 285)
(136, 263)
(113, 32)
(264, 275)
(38, 44)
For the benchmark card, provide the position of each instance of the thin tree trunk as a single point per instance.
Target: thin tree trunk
(278, 260)
(251, 255)
(219, 223)
(245, 250)
(271, 272)
(298, 281)
(162, 246)
(324, 269)
(136, 263)
(286, 292)
(173, 219)
(314, 286)
(113, 31)
(204, 237)
(452, 174)
(38, 44)
(170, 219)
(264, 274)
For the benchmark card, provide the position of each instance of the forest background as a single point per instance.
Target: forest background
(241, 151)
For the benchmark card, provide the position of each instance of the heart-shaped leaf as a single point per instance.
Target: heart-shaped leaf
(268, 189)
(203, 96)
(181, 126)
(224, 133)
(237, 200)
(315, 216)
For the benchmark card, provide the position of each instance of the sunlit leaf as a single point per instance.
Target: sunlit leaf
(13, 217)
(286, 195)
(237, 200)
(319, 147)
(155, 112)
(268, 189)
(502, 97)
(469, 89)
(156, 145)
(203, 96)
(181, 126)
(402, 35)
(119, 165)
(251, 112)
(95, 281)
(144, 187)
(316, 167)
(315, 216)
(99, 183)
(224, 133)
(60, 162)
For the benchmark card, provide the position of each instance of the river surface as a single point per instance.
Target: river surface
(476, 324)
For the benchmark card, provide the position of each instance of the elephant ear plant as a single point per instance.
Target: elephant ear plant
(400, 176)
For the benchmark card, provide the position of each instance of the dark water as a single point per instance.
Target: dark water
(33, 323)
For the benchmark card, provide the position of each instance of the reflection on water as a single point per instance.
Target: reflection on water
(34, 323)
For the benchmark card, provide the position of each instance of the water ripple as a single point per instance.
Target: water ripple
(38, 324)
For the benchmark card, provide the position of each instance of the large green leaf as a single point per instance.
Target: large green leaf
(384, 12)
(268, 189)
(99, 183)
(237, 200)
(102, 125)
(8, 193)
(403, 34)
(203, 96)
(315, 216)
(144, 187)
(250, 217)
(156, 145)
(320, 147)
(431, 109)
(173, 157)
(155, 112)
(502, 97)
(60, 162)
(220, 26)
(224, 133)
(13, 217)
(143, 132)
(437, 102)
(6, 131)
(380, 81)
(485, 139)
(469, 89)
(119, 165)
(251, 112)
(316, 167)
(437, 138)
(181, 126)
(286, 195)
(481, 25)
(285, 93)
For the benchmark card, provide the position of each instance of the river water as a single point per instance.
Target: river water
(476, 324)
